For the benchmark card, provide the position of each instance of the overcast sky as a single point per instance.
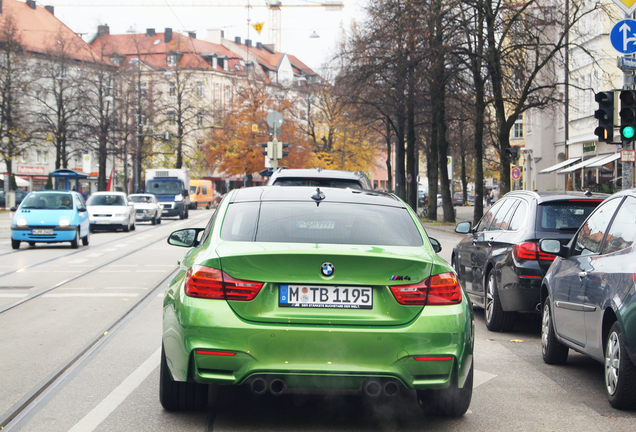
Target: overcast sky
(297, 23)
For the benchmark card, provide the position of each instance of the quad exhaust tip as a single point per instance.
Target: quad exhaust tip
(258, 386)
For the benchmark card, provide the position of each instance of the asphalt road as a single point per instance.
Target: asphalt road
(115, 386)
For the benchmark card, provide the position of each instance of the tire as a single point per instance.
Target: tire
(187, 214)
(32, 244)
(180, 396)
(90, 228)
(183, 213)
(449, 402)
(496, 319)
(75, 241)
(86, 238)
(456, 267)
(207, 207)
(159, 220)
(127, 227)
(154, 220)
(133, 227)
(15, 244)
(620, 372)
(554, 352)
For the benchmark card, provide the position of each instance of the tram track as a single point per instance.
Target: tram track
(4, 309)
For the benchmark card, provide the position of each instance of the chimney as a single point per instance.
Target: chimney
(259, 45)
(31, 4)
(167, 35)
(150, 32)
(248, 42)
(237, 40)
(51, 9)
(215, 36)
(103, 30)
(192, 34)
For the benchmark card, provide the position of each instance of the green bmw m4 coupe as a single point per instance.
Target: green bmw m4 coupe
(300, 290)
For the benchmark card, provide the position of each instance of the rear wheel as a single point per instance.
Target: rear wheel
(86, 238)
(15, 244)
(187, 213)
(207, 207)
(31, 244)
(180, 396)
(134, 227)
(554, 352)
(158, 218)
(154, 220)
(75, 241)
(449, 402)
(620, 372)
(496, 318)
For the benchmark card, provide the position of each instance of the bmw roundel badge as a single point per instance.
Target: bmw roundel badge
(327, 269)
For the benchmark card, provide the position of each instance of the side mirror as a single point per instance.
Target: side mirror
(81, 209)
(437, 246)
(187, 237)
(553, 247)
(13, 209)
(463, 227)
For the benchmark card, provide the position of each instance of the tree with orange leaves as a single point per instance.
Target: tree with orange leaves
(235, 147)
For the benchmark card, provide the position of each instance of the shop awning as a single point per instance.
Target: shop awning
(607, 159)
(20, 182)
(582, 164)
(559, 165)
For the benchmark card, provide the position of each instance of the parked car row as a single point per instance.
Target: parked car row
(63, 216)
(571, 257)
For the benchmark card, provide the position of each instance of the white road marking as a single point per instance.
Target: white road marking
(75, 289)
(9, 295)
(118, 395)
(159, 265)
(77, 261)
(94, 255)
(66, 271)
(125, 265)
(114, 271)
(109, 250)
(111, 288)
(63, 295)
(121, 245)
(481, 377)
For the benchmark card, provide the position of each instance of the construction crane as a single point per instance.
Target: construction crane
(273, 5)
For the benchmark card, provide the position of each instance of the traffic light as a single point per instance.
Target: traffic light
(628, 114)
(605, 116)
(264, 145)
(280, 152)
(512, 154)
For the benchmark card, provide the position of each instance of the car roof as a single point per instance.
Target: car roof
(108, 193)
(317, 173)
(52, 191)
(557, 195)
(141, 195)
(304, 194)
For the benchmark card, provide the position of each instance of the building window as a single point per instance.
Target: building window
(200, 118)
(172, 91)
(517, 130)
(228, 94)
(172, 116)
(200, 89)
(171, 60)
(217, 92)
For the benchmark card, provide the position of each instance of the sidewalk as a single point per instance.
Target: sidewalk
(5, 224)
(463, 214)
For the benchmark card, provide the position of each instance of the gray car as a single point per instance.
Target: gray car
(589, 296)
(319, 177)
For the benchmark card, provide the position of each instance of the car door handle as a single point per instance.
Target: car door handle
(582, 275)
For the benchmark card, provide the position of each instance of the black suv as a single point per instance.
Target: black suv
(499, 262)
(320, 177)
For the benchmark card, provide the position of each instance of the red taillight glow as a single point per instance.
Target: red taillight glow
(530, 251)
(206, 282)
(216, 353)
(441, 289)
(447, 358)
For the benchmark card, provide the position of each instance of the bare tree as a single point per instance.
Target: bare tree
(15, 86)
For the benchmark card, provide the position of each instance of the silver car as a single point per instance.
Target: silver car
(146, 208)
(110, 210)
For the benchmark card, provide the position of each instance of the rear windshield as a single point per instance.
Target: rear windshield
(564, 215)
(330, 223)
(105, 200)
(337, 183)
(140, 198)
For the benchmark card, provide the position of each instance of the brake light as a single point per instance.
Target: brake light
(211, 283)
(441, 289)
(445, 358)
(216, 353)
(530, 251)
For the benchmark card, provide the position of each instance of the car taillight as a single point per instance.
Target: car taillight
(206, 282)
(530, 251)
(440, 289)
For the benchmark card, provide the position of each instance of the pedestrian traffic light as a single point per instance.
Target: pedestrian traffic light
(628, 114)
(605, 116)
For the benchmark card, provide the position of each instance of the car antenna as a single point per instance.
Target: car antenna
(588, 193)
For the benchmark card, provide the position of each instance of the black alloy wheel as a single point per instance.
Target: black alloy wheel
(180, 396)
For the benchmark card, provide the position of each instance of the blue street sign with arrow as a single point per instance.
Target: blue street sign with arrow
(623, 36)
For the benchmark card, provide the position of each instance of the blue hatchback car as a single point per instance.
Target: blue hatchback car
(50, 217)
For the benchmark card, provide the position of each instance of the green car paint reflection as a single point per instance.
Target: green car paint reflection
(224, 322)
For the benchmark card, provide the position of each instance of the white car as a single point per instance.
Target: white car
(110, 210)
(439, 200)
(146, 208)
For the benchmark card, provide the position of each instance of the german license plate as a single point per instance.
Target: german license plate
(164, 211)
(333, 297)
(101, 223)
(42, 232)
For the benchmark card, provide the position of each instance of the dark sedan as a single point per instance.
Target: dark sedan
(589, 298)
(498, 260)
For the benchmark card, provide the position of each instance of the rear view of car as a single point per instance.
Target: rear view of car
(499, 260)
(307, 289)
(320, 177)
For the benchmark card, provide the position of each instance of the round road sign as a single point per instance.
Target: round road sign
(516, 173)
